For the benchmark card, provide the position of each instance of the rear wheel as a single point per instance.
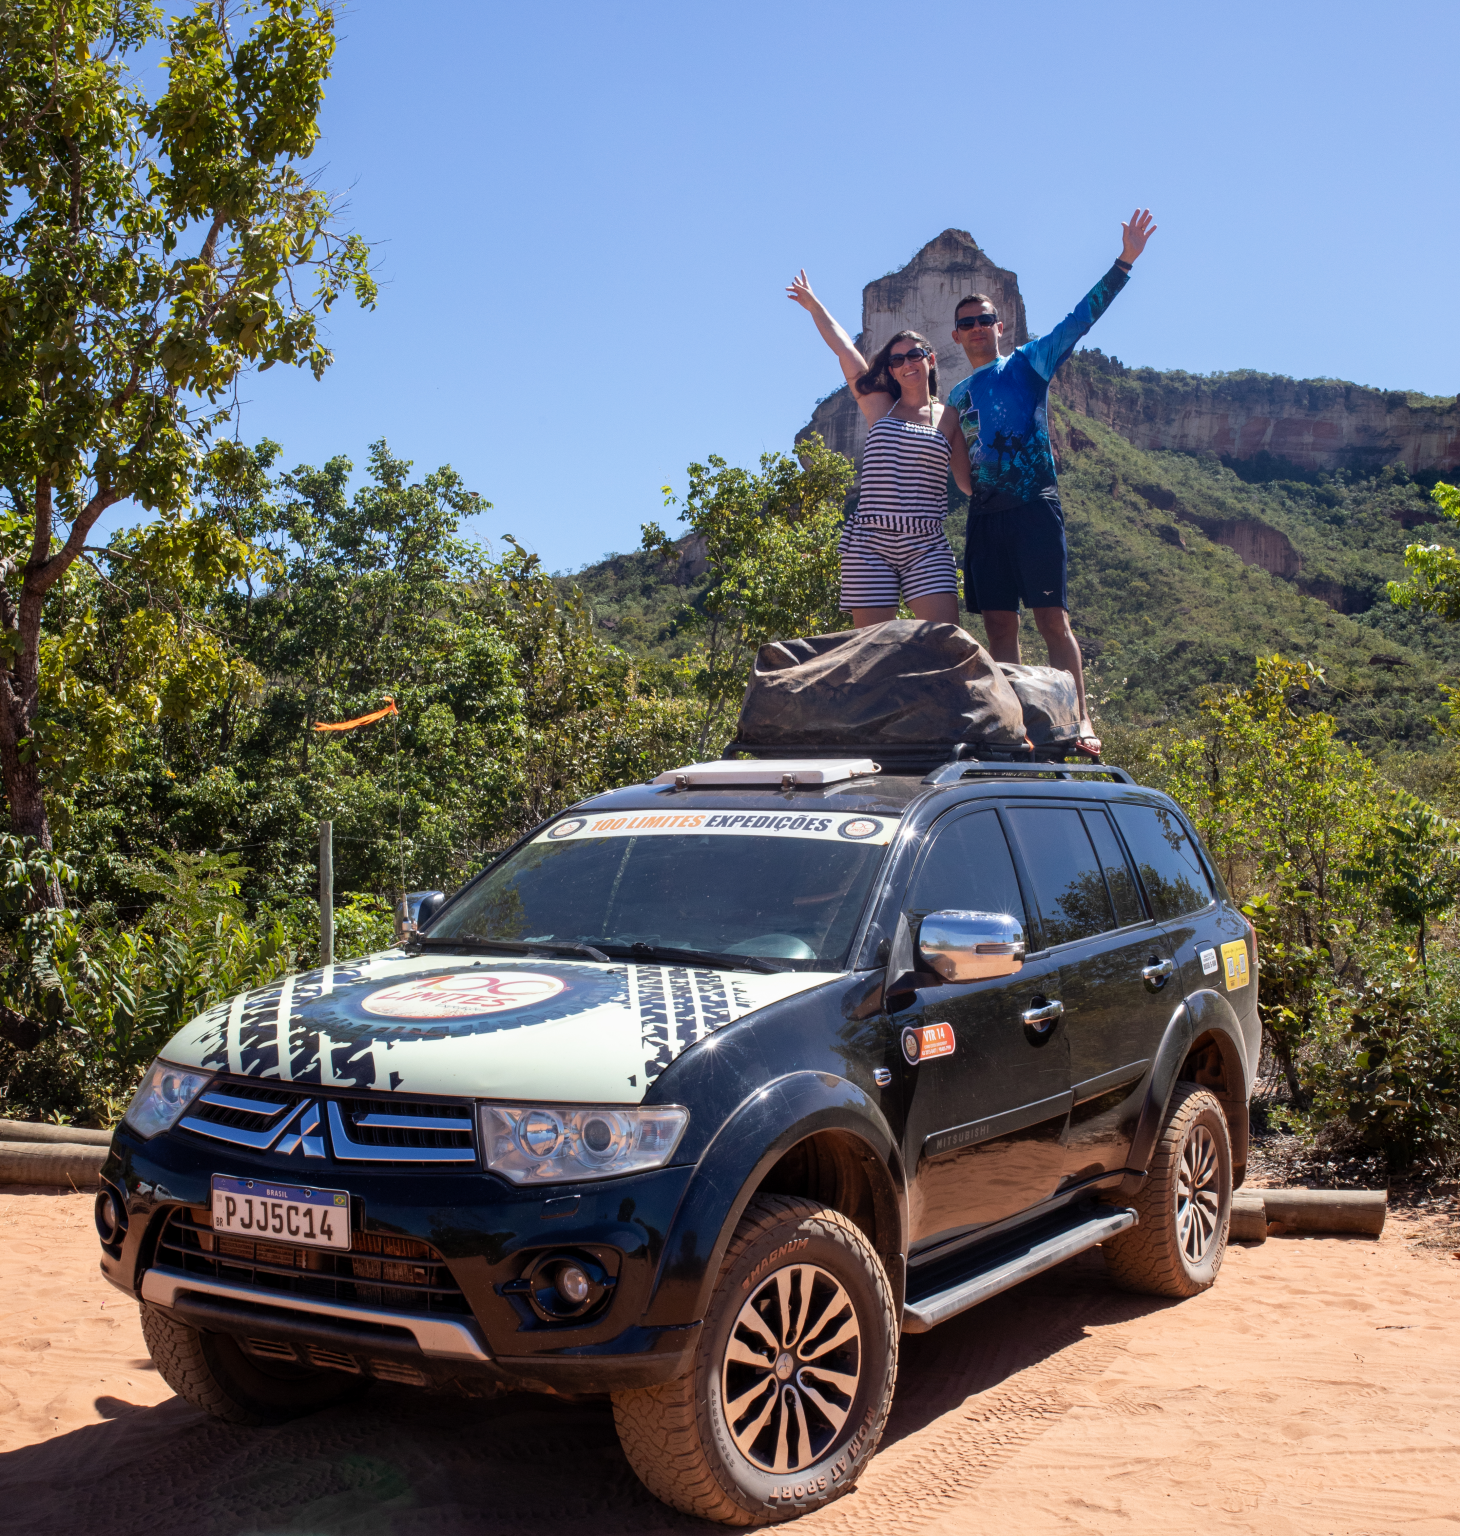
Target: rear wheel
(212, 1372)
(1184, 1204)
(792, 1378)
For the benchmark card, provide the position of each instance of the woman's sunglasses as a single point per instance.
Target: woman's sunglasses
(968, 322)
(897, 359)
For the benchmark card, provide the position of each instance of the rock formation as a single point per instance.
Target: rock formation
(921, 297)
(1309, 424)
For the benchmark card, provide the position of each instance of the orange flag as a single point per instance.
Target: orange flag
(370, 719)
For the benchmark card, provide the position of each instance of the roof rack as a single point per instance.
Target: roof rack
(926, 757)
(952, 773)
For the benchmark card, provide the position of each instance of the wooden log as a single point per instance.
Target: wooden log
(1249, 1217)
(1328, 1210)
(70, 1135)
(29, 1162)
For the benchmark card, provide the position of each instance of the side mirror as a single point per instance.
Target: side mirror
(969, 946)
(415, 909)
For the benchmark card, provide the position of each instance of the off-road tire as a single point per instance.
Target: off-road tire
(1152, 1257)
(212, 1372)
(677, 1436)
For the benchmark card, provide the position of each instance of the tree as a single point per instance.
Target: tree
(1288, 813)
(149, 254)
(1434, 586)
(771, 540)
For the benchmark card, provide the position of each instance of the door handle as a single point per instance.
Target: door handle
(1043, 1017)
(1155, 974)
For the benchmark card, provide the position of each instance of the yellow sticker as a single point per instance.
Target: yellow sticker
(1234, 959)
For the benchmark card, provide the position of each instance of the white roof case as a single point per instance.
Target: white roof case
(747, 772)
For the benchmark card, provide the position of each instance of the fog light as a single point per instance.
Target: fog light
(111, 1220)
(573, 1285)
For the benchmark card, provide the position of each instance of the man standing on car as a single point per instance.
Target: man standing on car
(1016, 531)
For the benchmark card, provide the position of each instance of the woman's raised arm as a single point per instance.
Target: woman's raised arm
(854, 365)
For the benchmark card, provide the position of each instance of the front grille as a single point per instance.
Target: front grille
(287, 1120)
(393, 1274)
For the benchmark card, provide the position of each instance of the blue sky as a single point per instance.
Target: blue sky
(586, 215)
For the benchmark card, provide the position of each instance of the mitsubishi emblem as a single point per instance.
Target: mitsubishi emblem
(303, 1132)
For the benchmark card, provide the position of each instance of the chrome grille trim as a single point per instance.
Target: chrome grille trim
(287, 1120)
(247, 1106)
(259, 1141)
(409, 1123)
(440, 1337)
(346, 1150)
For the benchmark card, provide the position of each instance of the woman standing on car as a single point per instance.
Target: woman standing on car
(896, 545)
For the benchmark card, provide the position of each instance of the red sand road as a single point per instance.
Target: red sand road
(1315, 1390)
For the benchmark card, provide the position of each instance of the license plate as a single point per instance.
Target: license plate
(287, 1213)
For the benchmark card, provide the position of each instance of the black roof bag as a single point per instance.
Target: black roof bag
(903, 681)
(1051, 705)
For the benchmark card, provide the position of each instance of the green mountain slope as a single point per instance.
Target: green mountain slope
(1180, 573)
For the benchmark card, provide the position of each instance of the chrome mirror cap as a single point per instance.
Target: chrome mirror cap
(969, 946)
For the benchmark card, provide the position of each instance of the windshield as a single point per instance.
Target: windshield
(785, 887)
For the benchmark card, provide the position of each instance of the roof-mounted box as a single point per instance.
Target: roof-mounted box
(748, 773)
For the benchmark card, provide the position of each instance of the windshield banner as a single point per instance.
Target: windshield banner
(837, 827)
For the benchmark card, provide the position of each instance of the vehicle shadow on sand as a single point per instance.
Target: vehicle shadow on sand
(410, 1463)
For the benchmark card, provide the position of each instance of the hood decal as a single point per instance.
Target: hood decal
(497, 1028)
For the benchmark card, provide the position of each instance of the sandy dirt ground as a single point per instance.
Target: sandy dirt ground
(1314, 1390)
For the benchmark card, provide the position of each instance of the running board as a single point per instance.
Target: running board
(1010, 1261)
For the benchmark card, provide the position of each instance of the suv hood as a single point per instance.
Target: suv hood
(555, 1030)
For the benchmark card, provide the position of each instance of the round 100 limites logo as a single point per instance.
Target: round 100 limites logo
(860, 828)
(464, 995)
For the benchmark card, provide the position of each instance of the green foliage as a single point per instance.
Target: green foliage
(1388, 1064)
(1434, 585)
(150, 252)
(102, 998)
(770, 540)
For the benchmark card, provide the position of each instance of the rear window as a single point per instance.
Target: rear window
(1170, 869)
(1069, 887)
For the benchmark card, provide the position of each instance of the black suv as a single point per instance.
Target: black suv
(698, 1097)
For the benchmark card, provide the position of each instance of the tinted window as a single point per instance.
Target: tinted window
(1068, 886)
(968, 868)
(1118, 877)
(787, 897)
(1169, 867)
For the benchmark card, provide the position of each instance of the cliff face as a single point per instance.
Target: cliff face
(1311, 424)
(921, 297)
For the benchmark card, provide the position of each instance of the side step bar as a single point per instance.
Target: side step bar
(1009, 1263)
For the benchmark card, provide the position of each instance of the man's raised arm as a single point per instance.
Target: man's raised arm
(1048, 352)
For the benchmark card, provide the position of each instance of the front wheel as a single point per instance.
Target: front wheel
(1184, 1204)
(792, 1379)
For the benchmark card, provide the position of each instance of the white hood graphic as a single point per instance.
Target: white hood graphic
(556, 1030)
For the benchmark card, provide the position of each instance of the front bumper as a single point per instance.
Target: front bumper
(484, 1233)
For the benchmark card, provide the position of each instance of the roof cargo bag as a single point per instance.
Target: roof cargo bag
(1051, 705)
(902, 681)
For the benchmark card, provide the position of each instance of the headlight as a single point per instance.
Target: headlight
(533, 1144)
(165, 1093)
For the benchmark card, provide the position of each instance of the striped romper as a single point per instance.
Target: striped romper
(896, 545)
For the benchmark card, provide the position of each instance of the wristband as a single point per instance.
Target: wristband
(1123, 264)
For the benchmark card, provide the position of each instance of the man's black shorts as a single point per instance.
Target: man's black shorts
(1015, 556)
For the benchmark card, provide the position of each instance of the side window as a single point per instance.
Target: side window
(1118, 876)
(1069, 888)
(968, 868)
(1170, 870)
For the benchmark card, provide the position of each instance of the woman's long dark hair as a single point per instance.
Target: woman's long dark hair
(878, 377)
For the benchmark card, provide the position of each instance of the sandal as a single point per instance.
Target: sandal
(1088, 745)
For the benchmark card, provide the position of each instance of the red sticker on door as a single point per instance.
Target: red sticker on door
(926, 1041)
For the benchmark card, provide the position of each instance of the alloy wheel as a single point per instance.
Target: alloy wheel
(792, 1365)
(1198, 1194)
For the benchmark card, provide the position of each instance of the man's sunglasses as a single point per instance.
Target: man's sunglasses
(968, 322)
(897, 359)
